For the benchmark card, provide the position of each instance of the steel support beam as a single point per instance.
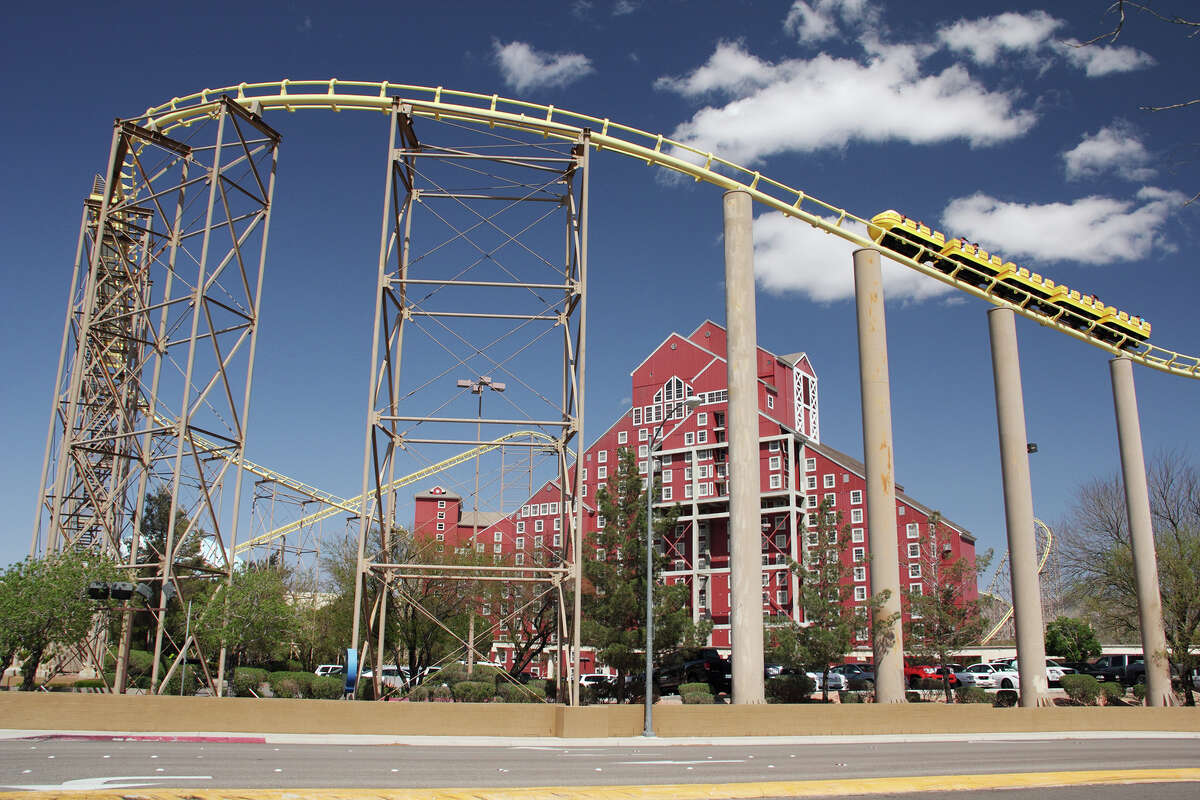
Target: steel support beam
(887, 632)
(1141, 530)
(745, 562)
(1018, 508)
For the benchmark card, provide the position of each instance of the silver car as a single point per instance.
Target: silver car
(981, 675)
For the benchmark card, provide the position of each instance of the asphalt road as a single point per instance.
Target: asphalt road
(66, 763)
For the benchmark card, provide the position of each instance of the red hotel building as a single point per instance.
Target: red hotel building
(796, 473)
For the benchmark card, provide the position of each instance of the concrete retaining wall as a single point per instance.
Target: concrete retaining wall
(61, 711)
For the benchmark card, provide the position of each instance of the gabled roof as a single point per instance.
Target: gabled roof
(437, 493)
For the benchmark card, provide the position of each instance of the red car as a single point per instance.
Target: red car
(915, 673)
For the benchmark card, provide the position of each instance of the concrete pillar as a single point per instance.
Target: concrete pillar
(888, 638)
(745, 561)
(1018, 508)
(1141, 529)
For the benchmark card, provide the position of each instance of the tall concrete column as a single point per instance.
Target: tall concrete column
(888, 638)
(1018, 508)
(1141, 529)
(745, 548)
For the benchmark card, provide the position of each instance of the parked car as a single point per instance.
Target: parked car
(1006, 676)
(597, 679)
(1054, 671)
(329, 669)
(699, 665)
(947, 672)
(982, 676)
(389, 675)
(915, 673)
(858, 678)
(837, 681)
(1112, 667)
(1135, 673)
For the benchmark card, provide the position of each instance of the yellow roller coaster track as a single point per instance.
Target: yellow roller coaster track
(604, 134)
(336, 505)
(1045, 556)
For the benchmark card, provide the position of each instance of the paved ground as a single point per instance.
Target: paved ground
(886, 766)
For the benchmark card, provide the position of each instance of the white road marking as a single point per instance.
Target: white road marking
(97, 784)
(680, 763)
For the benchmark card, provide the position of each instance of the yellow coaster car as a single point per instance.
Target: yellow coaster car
(982, 266)
(1028, 289)
(908, 237)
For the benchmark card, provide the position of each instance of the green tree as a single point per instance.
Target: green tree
(614, 603)
(826, 601)
(1097, 556)
(252, 615)
(1071, 639)
(43, 604)
(942, 618)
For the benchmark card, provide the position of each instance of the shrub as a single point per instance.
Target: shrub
(853, 697)
(972, 694)
(295, 666)
(790, 689)
(419, 694)
(89, 683)
(1006, 698)
(474, 691)
(1083, 689)
(450, 674)
(693, 688)
(285, 684)
(1113, 691)
(327, 687)
(529, 693)
(195, 681)
(698, 699)
(442, 693)
(246, 681)
(1139, 692)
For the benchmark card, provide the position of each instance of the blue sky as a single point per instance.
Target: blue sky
(987, 124)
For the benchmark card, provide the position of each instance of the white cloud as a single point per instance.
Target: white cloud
(803, 105)
(817, 20)
(623, 7)
(791, 256)
(1090, 230)
(1115, 148)
(729, 69)
(525, 68)
(986, 38)
(1097, 60)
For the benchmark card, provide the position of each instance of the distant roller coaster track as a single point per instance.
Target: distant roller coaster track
(654, 149)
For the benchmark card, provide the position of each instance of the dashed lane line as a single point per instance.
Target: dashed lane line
(699, 791)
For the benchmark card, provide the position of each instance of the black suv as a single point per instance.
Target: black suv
(700, 665)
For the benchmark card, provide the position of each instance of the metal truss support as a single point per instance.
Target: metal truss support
(477, 284)
(158, 350)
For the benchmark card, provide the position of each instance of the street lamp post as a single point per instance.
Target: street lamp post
(477, 388)
(691, 403)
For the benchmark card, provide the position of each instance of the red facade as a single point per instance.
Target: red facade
(796, 473)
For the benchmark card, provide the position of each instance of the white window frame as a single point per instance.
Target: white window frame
(856, 497)
(538, 526)
(810, 465)
(829, 481)
(914, 570)
(856, 516)
(860, 594)
(912, 530)
(770, 400)
(773, 463)
(776, 482)
(520, 527)
(602, 457)
(858, 554)
(914, 549)
(601, 473)
(622, 437)
(666, 493)
(810, 483)
(857, 535)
